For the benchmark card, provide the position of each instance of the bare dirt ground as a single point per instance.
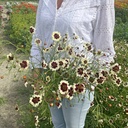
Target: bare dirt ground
(8, 91)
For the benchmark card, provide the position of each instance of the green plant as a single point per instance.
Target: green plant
(1, 8)
(19, 24)
(121, 29)
(110, 106)
(1, 100)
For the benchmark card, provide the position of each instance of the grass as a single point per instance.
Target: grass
(1, 101)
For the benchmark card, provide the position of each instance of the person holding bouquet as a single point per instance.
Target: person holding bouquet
(89, 20)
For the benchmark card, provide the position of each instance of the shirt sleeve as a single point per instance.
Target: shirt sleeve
(36, 50)
(103, 30)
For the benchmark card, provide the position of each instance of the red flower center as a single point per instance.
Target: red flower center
(116, 68)
(79, 87)
(38, 41)
(118, 81)
(70, 92)
(60, 48)
(100, 80)
(60, 63)
(11, 57)
(64, 87)
(80, 71)
(31, 30)
(56, 36)
(85, 61)
(23, 64)
(35, 100)
(89, 47)
(54, 65)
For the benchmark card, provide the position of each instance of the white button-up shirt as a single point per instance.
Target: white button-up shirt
(91, 20)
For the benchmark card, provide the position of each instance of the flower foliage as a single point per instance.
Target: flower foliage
(67, 72)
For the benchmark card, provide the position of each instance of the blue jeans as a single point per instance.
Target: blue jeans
(72, 114)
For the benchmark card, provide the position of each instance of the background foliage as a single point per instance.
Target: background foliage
(121, 28)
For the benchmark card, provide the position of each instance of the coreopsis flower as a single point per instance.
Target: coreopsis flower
(56, 36)
(126, 72)
(117, 115)
(45, 50)
(32, 29)
(98, 52)
(75, 36)
(54, 65)
(84, 61)
(111, 121)
(86, 75)
(36, 121)
(79, 88)
(98, 74)
(126, 111)
(70, 50)
(70, 93)
(10, 57)
(59, 48)
(67, 62)
(16, 107)
(61, 63)
(80, 71)
(24, 64)
(44, 64)
(115, 68)
(88, 46)
(125, 84)
(104, 73)
(26, 84)
(111, 98)
(100, 80)
(118, 81)
(63, 87)
(38, 41)
(92, 79)
(65, 37)
(58, 104)
(48, 79)
(100, 121)
(68, 47)
(113, 76)
(35, 100)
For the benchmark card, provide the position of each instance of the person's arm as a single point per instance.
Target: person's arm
(36, 51)
(103, 30)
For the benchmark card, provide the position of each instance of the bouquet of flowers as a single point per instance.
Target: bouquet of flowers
(68, 71)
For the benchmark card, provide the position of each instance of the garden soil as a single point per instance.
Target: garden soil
(9, 87)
